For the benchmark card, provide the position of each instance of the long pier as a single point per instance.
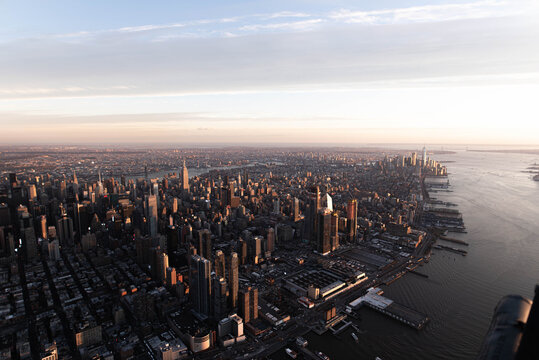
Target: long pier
(390, 308)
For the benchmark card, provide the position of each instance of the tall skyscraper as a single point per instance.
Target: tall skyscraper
(351, 216)
(248, 304)
(312, 219)
(219, 260)
(233, 279)
(162, 265)
(270, 240)
(424, 160)
(42, 226)
(151, 214)
(54, 249)
(185, 178)
(255, 248)
(32, 193)
(171, 276)
(219, 296)
(242, 248)
(30, 243)
(295, 214)
(205, 244)
(65, 230)
(200, 285)
(327, 202)
(334, 231)
(323, 235)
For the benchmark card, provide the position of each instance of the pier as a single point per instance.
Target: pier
(452, 249)
(390, 308)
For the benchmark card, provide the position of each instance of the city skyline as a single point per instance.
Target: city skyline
(285, 73)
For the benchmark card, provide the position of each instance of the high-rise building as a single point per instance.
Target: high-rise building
(219, 296)
(54, 250)
(334, 231)
(242, 248)
(233, 279)
(162, 265)
(64, 229)
(199, 284)
(32, 193)
(30, 243)
(323, 235)
(219, 260)
(173, 238)
(255, 248)
(424, 159)
(205, 244)
(327, 202)
(296, 210)
(151, 214)
(270, 240)
(351, 216)
(185, 178)
(42, 226)
(248, 304)
(311, 223)
(171, 276)
(276, 205)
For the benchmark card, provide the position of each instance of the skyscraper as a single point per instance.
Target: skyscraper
(30, 244)
(199, 284)
(171, 276)
(162, 265)
(219, 260)
(295, 214)
(242, 248)
(270, 240)
(248, 304)
(334, 231)
(185, 178)
(311, 223)
(65, 230)
(205, 244)
(233, 279)
(219, 296)
(42, 232)
(351, 216)
(151, 214)
(327, 202)
(323, 235)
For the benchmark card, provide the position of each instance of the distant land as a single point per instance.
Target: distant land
(515, 151)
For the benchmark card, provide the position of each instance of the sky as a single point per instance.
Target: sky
(269, 72)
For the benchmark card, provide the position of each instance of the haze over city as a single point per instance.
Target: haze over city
(279, 72)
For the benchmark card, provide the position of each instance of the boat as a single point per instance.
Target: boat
(291, 353)
(354, 336)
(322, 356)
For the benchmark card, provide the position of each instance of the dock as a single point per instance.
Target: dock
(390, 308)
(452, 249)
(450, 239)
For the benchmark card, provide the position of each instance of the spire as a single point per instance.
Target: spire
(75, 181)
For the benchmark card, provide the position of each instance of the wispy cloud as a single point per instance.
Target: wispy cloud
(301, 21)
(262, 52)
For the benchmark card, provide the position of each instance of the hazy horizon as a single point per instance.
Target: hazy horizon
(325, 73)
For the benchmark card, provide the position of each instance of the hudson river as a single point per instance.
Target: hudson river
(500, 207)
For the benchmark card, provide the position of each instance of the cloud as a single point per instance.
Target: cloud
(418, 46)
(431, 13)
